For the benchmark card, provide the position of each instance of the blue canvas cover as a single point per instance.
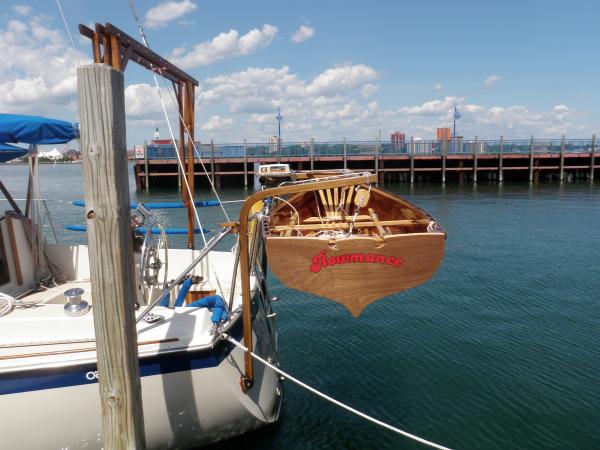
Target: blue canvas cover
(8, 152)
(36, 130)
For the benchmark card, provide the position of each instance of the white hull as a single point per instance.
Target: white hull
(49, 396)
(183, 409)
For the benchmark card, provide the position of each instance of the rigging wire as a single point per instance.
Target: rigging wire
(331, 399)
(196, 152)
(66, 26)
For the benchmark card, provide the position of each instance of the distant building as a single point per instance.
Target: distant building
(398, 139)
(53, 154)
(73, 155)
(444, 134)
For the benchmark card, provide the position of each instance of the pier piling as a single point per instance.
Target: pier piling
(412, 160)
(106, 194)
(592, 157)
(312, 153)
(501, 161)
(475, 151)
(212, 160)
(345, 154)
(531, 160)
(562, 158)
(245, 164)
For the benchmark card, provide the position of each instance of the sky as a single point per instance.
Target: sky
(336, 69)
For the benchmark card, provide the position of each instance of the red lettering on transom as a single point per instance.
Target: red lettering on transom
(321, 260)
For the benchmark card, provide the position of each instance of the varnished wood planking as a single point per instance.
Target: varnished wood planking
(355, 285)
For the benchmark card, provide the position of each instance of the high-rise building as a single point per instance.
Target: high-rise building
(398, 140)
(443, 134)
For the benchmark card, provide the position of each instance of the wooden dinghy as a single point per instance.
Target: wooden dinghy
(352, 244)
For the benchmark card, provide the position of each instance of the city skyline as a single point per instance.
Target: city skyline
(344, 69)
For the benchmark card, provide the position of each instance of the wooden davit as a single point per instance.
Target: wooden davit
(352, 243)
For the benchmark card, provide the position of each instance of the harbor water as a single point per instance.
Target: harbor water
(498, 351)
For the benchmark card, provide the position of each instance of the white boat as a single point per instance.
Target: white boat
(190, 378)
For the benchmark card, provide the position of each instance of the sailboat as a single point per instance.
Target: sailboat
(190, 379)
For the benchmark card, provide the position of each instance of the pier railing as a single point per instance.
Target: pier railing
(371, 148)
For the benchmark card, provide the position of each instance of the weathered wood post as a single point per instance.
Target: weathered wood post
(444, 153)
(245, 164)
(212, 160)
(376, 158)
(501, 161)
(531, 160)
(592, 157)
(106, 195)
(179, 172)
(475, 151)
(345, 155)
(562, 158)
(278, 150)
(146, 174)
(312, 154)
(412, 160)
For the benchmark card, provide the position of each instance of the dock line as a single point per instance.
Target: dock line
(332, 400)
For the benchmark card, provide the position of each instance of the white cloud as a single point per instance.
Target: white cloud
(165, 12)
(30, 83)
(437, 87)
(341, 79)
(223, 46)
(368, 90)
(304, 33)
(215, 123)
(491, 80)
(22, 10)
(433, 107)
(331, 101)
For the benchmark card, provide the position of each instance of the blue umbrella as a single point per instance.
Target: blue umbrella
(36, 130)
(8, 152)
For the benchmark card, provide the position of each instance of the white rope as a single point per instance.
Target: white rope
(332, 400)
(7, 303)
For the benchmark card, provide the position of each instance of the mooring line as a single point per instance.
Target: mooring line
(333, 400)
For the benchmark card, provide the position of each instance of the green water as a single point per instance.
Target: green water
(498, 351)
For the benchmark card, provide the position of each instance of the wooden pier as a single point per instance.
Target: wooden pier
(413, 161)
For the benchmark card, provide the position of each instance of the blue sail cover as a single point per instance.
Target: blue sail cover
(36, 130)
(8, 152)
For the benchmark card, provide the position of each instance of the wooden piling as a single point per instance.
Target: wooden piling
(531, 160)
(278, 150)
(444, 153)
(592, 157)
(146, 174)
(245, 164)
(212, 161)
(412, 160)
(106, 194)
(312, 154)
(501, 161)
(562, 158)
(376, 158)
(475, 145)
